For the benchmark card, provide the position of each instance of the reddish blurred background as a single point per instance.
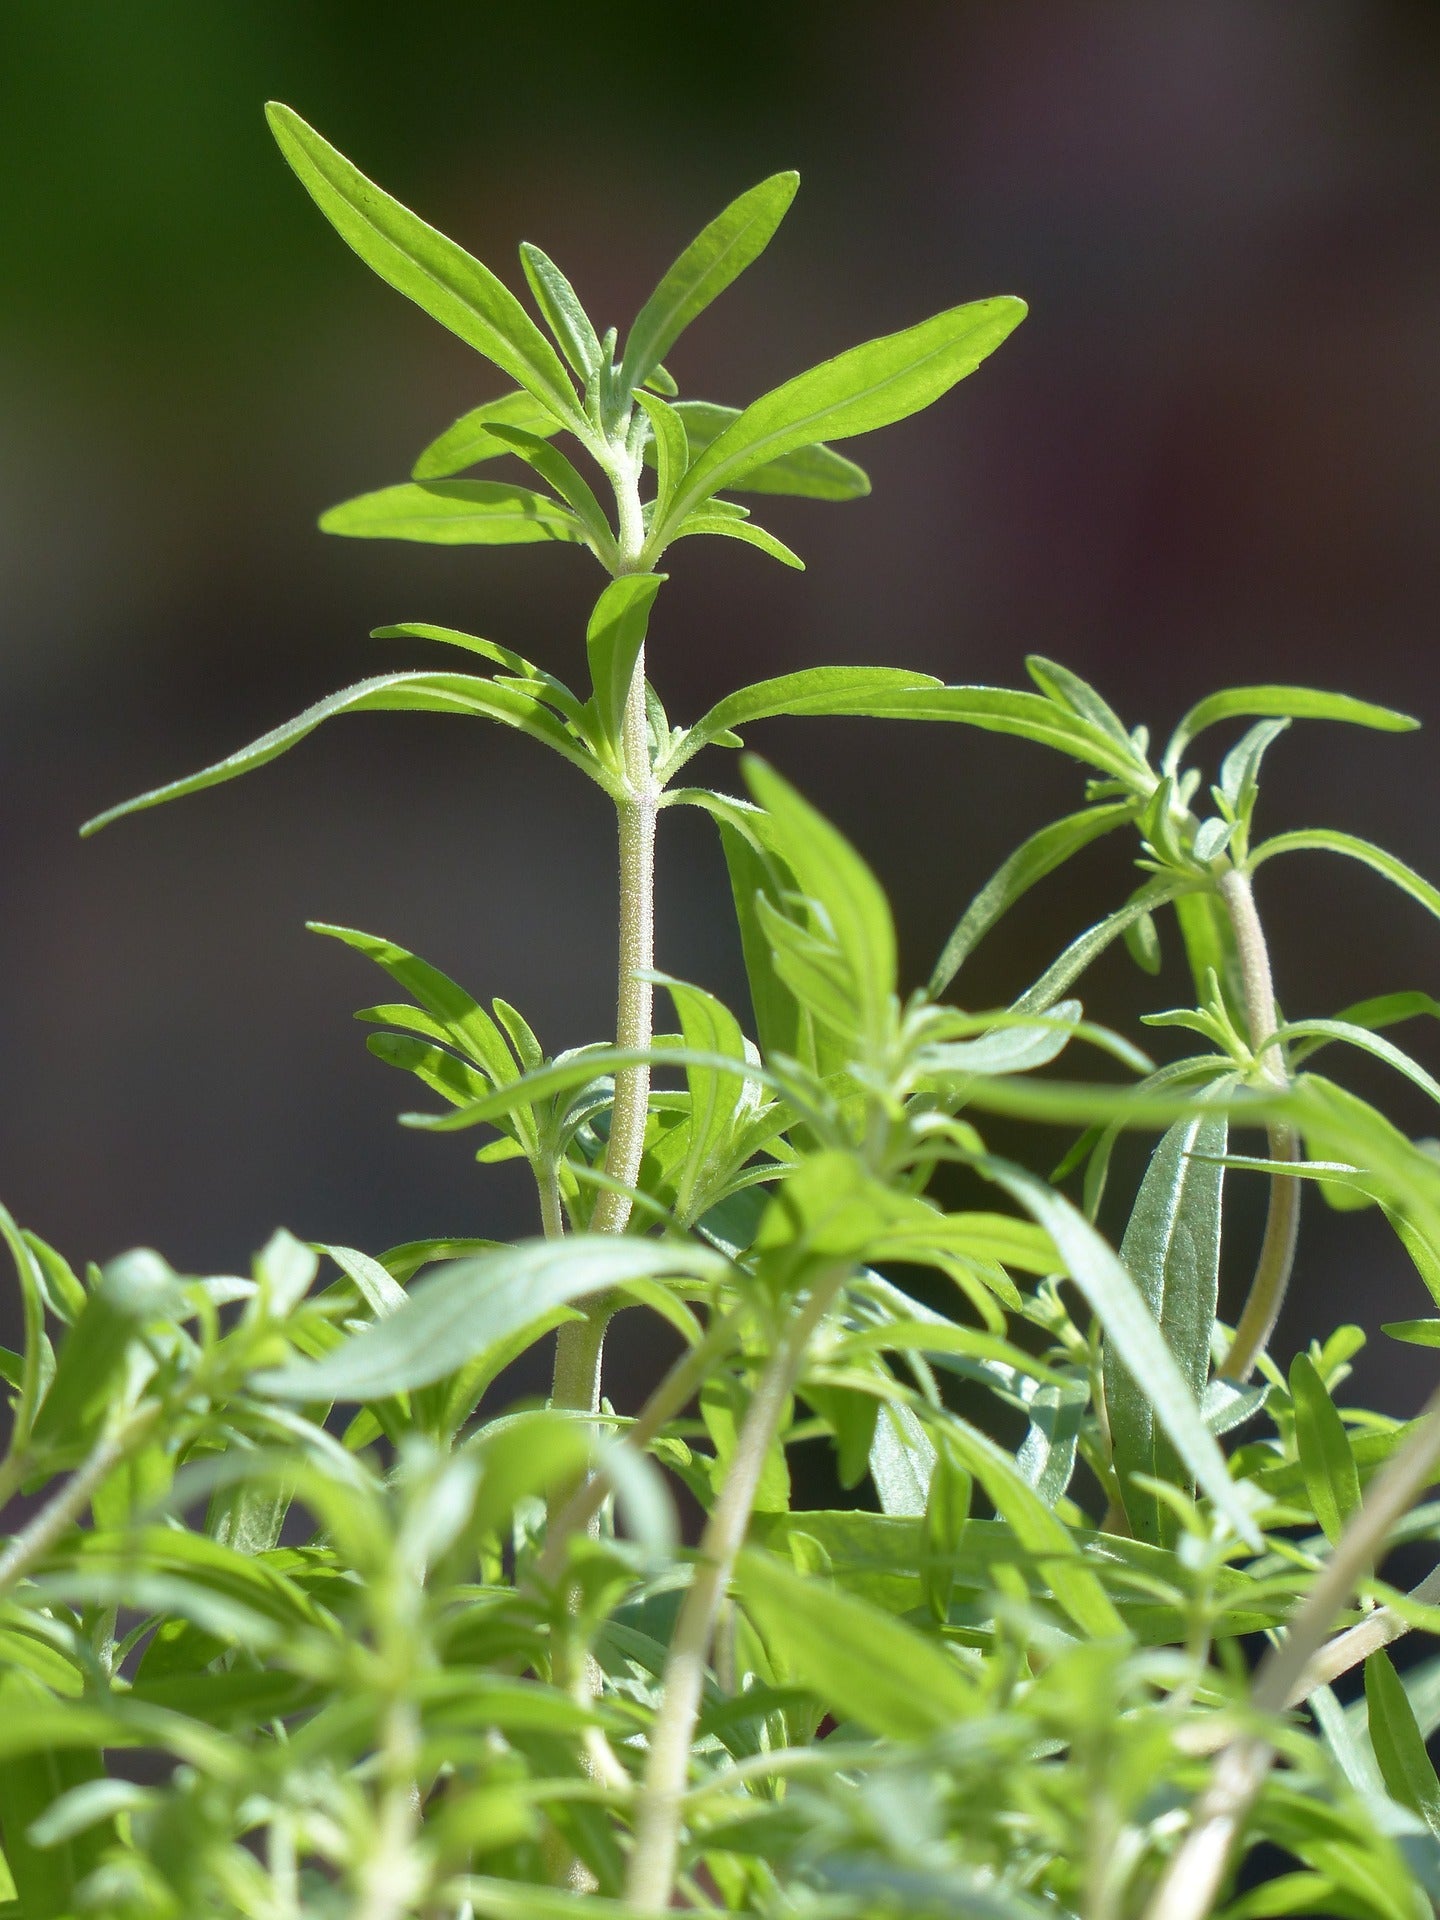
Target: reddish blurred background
(1209, 455)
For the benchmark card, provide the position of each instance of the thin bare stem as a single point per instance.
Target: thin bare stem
(1197, 1870)
(35, 1540)
(1282, 1220)
(651, 1878)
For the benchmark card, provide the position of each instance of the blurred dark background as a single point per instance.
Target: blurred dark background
(1209, 455)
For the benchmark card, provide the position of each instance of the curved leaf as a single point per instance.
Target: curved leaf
(718, 254)
(870, 386)
(1327, 840)
(1289, 703)
(452, 286)
(388, 693)
(1040, 855)
(469, 440)
(454, 1314)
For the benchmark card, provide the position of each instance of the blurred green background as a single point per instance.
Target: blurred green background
(1209, 454)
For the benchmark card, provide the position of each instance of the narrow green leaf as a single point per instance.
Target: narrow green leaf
(668, 447)
(613, 640)
(811, 473)
(867, 1665)
(716, 1096)
(902, 1460)
(1068, 690)
(1326, 840)
(1029, 716)
(1415, 1333)
(869, 387)
(133, 1291)
(1040, 855)
(462, 1018)
(1327, 1460)
(434, 272)
(828, 870)
(1076, 1588)
(947, 1508)
(731, 527)
(1368, 1042)
(778, 1019)
(38, 1361)
(469, 1305)
(1171, 1251)
(454, 513)
(564, 315)
(1290, 703)
(387, 693)
(1131, 1329)
(718, 254)
(1093, 942)
(469, 441)
(566, 480)
(861, 691)
(46, 1876)
(1405, 1766)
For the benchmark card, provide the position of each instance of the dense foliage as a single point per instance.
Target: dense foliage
(299, 1616)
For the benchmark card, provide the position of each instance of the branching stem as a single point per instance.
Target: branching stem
(1193, 1879)
(651, 1879)
(1282, 1220)
(35, 1540)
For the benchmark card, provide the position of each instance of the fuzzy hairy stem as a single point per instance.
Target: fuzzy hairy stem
(651, 1878)
(1282, 1219)
(1192, 1881)
(580, 1344)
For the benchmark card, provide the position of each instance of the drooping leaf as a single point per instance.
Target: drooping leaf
(454, 513)
(469, 1305)
(1133, 1332)
(1171, 1250)
(386, 693)
(1291, 703)
(868, 387)
(1028, 716)
(1040, 855)
(718, 254)
(733, 526)
(1326, 840)
(434, 272)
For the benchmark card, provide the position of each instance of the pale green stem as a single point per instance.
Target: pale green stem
(684, 1379)
(1197, 1870)
(35, 1540)
(579, 1344)
(393, 1876)
(1282, 1220)
(651, 1878)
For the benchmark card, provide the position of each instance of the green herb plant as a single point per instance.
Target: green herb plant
(302, 1614)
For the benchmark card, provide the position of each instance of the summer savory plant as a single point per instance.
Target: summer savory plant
(301, 1614)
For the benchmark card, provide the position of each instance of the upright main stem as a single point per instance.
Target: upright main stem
(580, 1343)
(1282, 1219)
